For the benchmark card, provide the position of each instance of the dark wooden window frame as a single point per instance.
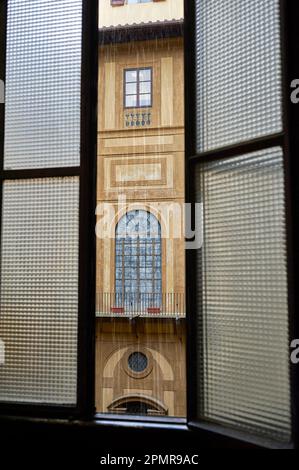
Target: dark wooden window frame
(86, 171)
(195, 434)
(288, 139)
(138, 105)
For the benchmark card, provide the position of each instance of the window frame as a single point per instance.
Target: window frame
(195, 433)
(86, 171)
(289, 142)
(137, 69)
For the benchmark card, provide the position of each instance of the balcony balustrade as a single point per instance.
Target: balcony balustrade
(138, 119)
(149, 305)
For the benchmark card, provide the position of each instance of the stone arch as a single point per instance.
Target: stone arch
(112, 362)
(164, 364)
(161, 360)
(153, 403)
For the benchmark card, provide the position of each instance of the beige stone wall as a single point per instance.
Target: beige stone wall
(163, 382)
(146, 165)
(139, 13)
(166, 59)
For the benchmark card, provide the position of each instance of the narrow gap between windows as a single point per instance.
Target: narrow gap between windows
(140, 293)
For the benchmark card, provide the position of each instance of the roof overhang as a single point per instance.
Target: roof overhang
(141, 32)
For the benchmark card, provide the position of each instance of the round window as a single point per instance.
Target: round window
(137, 362)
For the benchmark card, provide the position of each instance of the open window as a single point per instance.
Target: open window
(102, 324)
(240, 298)
(48, 134)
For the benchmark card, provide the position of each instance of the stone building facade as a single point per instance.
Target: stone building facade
(140, 332)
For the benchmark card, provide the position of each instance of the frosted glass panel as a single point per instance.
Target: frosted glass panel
(238, 71)
(243, 343)
(39, 290)
(42, 111)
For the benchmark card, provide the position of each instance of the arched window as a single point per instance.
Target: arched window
(138, 277)
(138, 405)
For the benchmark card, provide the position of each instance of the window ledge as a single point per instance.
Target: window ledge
(194, 435)
(141, 422)
(113, 421)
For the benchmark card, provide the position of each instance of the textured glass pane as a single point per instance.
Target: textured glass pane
(39, 290)
(242, 305)
(42, 111)
(238, 71)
